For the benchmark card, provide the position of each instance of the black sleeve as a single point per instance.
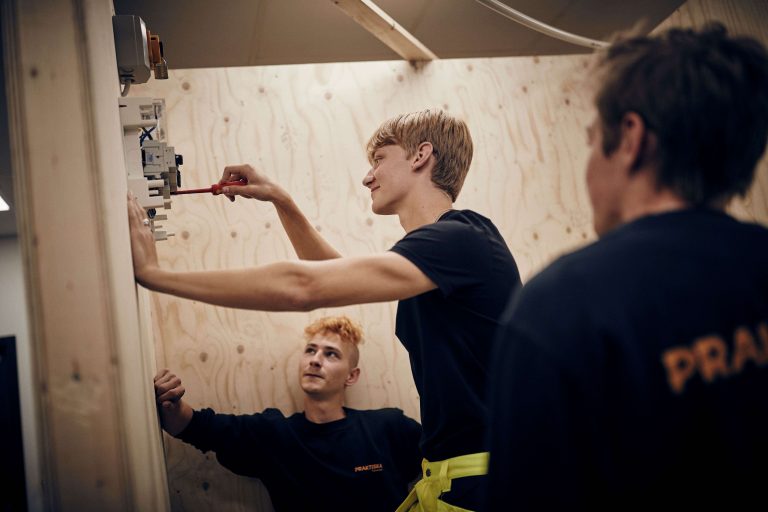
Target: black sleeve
(452, 254)
(537, 416)
(234, 438)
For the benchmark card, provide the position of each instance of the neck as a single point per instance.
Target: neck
(323, 410)
(643, 198)
(426, 211)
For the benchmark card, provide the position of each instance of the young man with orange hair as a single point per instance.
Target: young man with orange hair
(328, 457)
(452, 274)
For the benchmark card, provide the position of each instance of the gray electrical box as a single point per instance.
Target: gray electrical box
(131, 48)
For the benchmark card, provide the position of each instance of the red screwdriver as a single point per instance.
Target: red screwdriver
(216, 187)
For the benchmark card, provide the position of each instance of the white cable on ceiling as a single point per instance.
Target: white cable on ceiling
(534, 24)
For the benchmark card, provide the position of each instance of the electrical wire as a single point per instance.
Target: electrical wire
(538, 26)
(146, 134)
(124, 90)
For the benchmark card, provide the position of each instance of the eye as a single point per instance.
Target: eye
(309, 350)
(333, 355)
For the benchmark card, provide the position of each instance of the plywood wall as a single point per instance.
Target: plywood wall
(306, 126)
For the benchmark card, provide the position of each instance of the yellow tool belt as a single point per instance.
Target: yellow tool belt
(425, 495)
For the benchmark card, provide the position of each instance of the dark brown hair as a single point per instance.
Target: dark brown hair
(703, 94)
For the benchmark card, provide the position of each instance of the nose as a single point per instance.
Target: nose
(368, 179)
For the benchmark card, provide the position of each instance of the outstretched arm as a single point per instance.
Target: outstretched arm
(175, 414)
(306, 241)
(284, 286)
(235, 439)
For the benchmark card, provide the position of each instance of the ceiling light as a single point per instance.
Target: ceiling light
(3, 205)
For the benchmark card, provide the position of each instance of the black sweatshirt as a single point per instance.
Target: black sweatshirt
(633, 373)
(361, 462)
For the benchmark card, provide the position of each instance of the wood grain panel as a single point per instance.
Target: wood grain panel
(307, 126)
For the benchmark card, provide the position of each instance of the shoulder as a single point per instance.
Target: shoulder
(567, 275)
(628, 254)
(376, 414)
(456, 224)
(268, 418)
(384, 416)
(587, 268)
(272, 414)
(269, 414)
(265, 420)
(466, 232)
(562, 300)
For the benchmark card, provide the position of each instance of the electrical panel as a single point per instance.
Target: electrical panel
(152, 165)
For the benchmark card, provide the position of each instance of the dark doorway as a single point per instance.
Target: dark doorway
(13, 493)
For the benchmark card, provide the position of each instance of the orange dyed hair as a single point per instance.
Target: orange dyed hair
(345, 328)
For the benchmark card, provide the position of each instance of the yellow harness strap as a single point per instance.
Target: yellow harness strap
(437, 480)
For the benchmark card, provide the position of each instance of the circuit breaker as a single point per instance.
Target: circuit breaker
(152, 165)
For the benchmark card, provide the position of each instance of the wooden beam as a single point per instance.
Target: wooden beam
(100, 445)
(368, 15)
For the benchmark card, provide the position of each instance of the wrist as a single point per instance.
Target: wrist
(176, 418)
(149, 276)
(280, 198)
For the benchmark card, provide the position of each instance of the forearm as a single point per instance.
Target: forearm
(296, 286)
(306, 241)
(276, 287)
(236, 439)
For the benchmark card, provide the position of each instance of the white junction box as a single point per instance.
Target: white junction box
(152, 165)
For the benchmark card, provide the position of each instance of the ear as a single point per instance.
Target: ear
(634, 135)
(353, 376)
(421, 158)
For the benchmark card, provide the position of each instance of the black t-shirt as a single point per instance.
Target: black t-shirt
(364, 461)
(449, 331)
(632, 374)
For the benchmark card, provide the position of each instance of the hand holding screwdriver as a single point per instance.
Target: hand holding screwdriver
(259, 185)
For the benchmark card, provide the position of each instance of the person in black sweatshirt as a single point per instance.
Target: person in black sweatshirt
(328, 457)
(633, 374)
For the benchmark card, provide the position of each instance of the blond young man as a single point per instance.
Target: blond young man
(328, 457)
(452, 273)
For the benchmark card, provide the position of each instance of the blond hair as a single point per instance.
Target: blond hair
(450, 139)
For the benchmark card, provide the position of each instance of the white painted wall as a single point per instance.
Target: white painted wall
(13, 322)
